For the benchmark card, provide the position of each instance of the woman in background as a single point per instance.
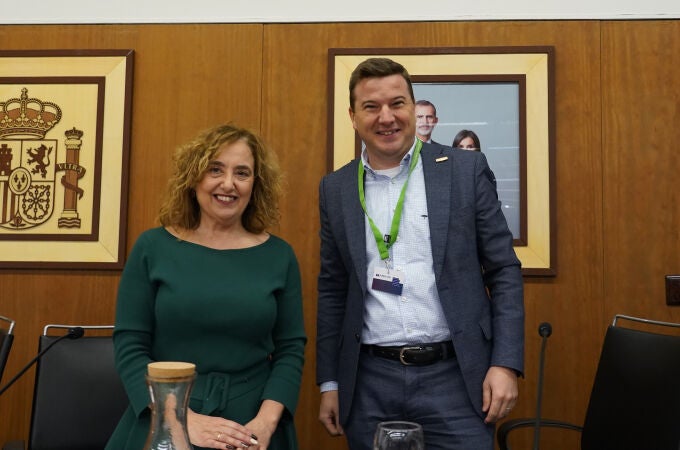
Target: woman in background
(467, 140)
(211, 286)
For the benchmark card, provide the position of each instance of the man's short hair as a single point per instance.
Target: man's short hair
(377, 68)
(427, 103)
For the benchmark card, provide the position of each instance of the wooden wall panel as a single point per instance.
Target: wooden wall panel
(617, 99)
(186, 78)
(294, 117)
(641, 129)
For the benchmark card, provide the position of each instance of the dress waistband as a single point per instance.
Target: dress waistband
(215, 389)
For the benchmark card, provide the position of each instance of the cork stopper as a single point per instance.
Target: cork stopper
(170, 369)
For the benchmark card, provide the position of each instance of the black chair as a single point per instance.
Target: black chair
(6, 339)
(78, 397)
(635, 399)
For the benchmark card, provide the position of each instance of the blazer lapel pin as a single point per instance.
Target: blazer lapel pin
(441, 159)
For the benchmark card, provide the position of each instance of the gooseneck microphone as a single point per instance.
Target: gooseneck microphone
(544, 330)
(73, 333)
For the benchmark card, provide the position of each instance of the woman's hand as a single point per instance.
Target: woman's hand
(265, 423)
(216, 432)
(263, 432)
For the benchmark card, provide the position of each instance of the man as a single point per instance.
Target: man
(420, 307)
(426, 120)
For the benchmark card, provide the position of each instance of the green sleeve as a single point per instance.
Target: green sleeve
(134, 325)
(289, 341)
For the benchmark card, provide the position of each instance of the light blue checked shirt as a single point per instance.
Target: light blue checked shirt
(415, 316)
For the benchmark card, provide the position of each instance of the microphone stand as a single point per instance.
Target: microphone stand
(73, 333)
(544, 330)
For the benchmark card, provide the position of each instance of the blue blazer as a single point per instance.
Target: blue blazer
(476, 270)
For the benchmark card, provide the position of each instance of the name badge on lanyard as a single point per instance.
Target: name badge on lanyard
(388, 280)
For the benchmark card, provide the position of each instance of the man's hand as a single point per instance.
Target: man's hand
(499, 393)
(329, 413)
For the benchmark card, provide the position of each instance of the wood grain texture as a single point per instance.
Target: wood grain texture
(641, 113)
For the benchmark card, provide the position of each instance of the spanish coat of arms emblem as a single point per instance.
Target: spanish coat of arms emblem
(30, 169)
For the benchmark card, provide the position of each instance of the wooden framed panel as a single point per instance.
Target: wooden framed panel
(64, 148)
(531, 69)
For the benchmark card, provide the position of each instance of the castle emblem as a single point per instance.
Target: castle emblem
(29, 167)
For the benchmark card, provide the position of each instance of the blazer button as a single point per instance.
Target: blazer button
(357, 337)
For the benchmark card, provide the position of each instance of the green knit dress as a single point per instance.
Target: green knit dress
(236, 314)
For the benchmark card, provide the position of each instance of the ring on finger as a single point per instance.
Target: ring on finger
(219, 435)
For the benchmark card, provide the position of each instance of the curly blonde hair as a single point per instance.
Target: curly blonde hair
(180, 207)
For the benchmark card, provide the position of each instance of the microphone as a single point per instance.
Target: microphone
(78, 332)
(544, 330)
(73, 333)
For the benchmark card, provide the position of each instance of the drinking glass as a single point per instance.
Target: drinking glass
(399, 435)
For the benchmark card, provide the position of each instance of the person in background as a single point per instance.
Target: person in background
(426, 120)
(420, 295)
(467, 140)
(213, 287)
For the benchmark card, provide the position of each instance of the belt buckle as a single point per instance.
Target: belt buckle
(401, 355)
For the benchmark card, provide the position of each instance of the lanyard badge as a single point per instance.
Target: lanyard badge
(387, 279)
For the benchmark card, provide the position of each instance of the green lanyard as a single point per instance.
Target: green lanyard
(385, 242)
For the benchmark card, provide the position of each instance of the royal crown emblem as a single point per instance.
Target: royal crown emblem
(27, 118)
(29, 167)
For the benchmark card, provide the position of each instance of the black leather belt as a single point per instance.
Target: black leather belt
(413, 355)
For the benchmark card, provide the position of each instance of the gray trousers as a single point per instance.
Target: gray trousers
(433, 396)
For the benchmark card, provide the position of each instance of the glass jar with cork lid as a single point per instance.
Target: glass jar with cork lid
(169, 384)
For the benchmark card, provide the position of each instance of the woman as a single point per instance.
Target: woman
(467, 140)
(212, 287)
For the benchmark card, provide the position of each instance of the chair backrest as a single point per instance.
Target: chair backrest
(78, 398)
(6, 339)
(635, 400)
